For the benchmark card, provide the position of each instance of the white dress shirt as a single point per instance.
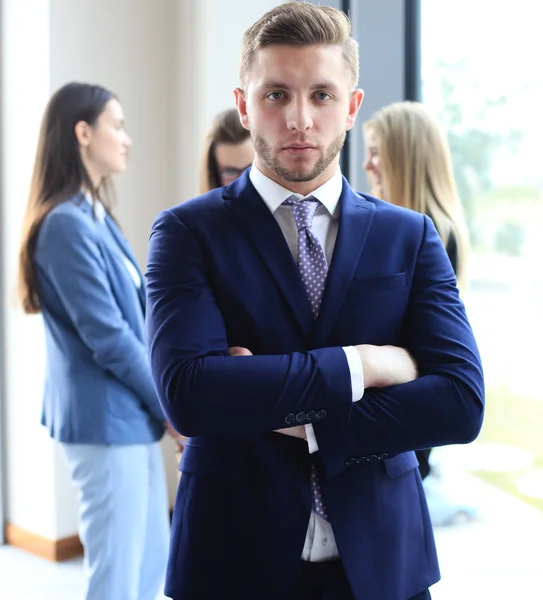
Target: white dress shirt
(320, 543)
(100, 212)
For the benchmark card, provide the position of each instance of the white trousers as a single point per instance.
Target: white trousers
(124, 518)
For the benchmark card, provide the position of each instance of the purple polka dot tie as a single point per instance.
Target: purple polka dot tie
(313, 269)
(311, 258)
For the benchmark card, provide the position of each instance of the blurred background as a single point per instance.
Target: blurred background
(173, 64)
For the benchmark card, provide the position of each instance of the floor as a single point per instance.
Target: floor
(498, 557)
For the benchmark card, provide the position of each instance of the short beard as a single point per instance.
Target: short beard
(271, 160)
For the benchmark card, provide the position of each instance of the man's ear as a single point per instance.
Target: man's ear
(354, 106)
(241, 104)
(83, 133)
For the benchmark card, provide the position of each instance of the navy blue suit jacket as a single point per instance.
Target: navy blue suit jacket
(220, 274)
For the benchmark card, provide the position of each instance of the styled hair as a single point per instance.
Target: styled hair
(417, 172)
(225, 129)
(300, 24)
(59, 172)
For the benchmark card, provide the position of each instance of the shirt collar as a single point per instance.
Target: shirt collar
(274, 194)
(99, 209)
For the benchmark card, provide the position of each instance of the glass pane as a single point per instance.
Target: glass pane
(481, 79)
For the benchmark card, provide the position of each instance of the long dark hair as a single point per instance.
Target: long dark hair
(225, 129)
(59, 172)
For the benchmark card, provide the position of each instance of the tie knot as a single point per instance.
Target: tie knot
(303, 210)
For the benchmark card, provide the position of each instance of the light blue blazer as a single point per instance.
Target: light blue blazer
(98, 387)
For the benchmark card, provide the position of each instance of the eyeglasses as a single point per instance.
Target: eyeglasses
(228, 174)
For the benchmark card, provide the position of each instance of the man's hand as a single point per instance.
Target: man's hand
(386, 365)
(239, 351)
(179, 439)
(298, 431)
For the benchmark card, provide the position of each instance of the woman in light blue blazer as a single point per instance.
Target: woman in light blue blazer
(77, 269)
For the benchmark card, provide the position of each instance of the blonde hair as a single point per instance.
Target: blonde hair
(225, 129)
(300, 24)
(417, 173)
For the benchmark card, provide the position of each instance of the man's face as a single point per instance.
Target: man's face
(298, 107)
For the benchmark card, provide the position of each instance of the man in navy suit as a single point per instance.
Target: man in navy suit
(307, 339)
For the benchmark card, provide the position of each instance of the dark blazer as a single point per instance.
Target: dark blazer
(220, 274)
(98, 387)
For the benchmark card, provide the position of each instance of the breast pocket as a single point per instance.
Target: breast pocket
(381, 284)
(375, 309)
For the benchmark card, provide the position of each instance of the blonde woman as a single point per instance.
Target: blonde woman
(408, 162)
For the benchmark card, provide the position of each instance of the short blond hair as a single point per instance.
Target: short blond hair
(300, 24)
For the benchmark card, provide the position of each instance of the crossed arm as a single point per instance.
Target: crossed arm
(382, 366)
(398, 412)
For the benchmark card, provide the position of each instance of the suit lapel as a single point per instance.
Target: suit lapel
(124, 247)
(118, 237)
(266, 237)
(355, 220)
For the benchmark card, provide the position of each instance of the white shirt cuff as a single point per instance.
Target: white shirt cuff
(312, 445)
(357, 387)
(357, 373)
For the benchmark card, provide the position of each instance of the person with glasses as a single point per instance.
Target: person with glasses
(228, 151)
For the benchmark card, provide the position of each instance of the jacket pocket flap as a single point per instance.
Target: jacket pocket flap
(407, 461)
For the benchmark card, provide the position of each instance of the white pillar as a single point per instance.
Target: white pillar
(30, 458)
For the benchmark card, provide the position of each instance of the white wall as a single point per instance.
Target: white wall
(209, 40)
(172, 75)
(128, 46)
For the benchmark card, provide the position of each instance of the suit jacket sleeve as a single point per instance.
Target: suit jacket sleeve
(445, 404)
(204, 391)
(452, 251)
(69, 254)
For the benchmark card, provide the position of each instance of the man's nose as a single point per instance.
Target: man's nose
(299, 116)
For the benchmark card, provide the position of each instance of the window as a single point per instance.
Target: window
(480, 77)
